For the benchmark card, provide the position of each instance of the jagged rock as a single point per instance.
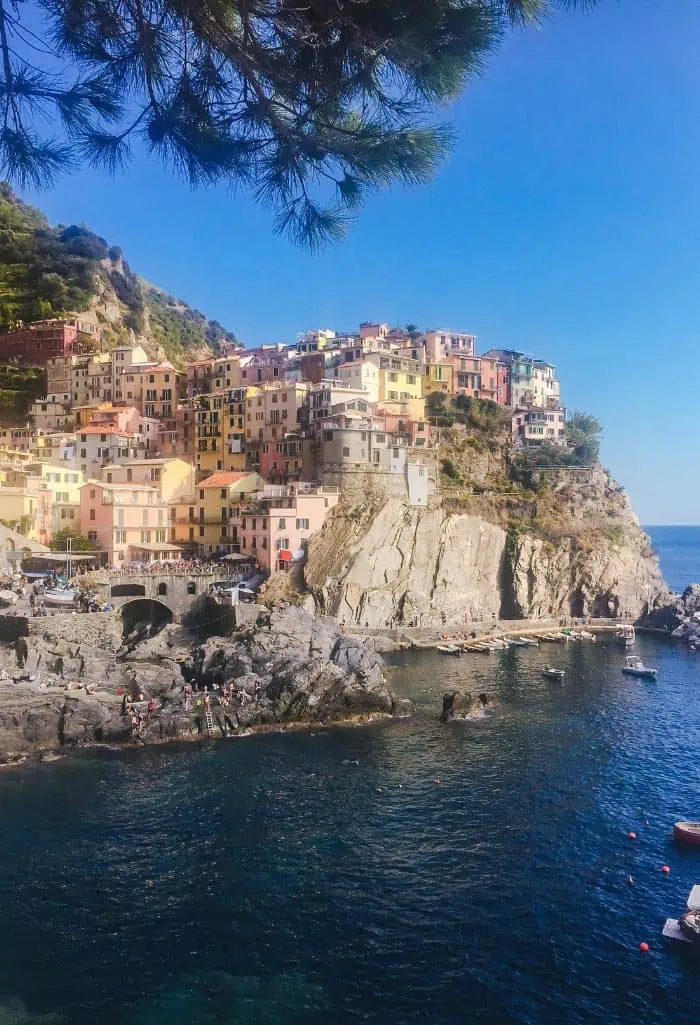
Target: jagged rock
(433, 568)
(678, 615)
(456, 704)
(293, 667)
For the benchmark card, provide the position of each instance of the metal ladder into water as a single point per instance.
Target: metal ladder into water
(209, 721)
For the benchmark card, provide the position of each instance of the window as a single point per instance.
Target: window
(120, 537)
(201, 494)
(145, 537)
(302, 524)
(281, 524)
(160, 537)
(346, 452)
(393, 377)
(380, 439)
(92, 536)
(281, 542)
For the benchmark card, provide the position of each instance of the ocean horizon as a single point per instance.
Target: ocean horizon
(678, 548)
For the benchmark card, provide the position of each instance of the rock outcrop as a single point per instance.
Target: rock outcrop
(437, 568)
(288, 667)
(679, 616)
(461, 704)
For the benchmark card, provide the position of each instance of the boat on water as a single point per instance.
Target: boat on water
(625, 635)
(530, 641)
(59, 596)
(686, 928)
(688, 832)
(635, 667)
(513, 642)
(449, 649)
(553, 674)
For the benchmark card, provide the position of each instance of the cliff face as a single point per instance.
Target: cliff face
(433, 567)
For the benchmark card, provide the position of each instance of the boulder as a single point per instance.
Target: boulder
(457, 704)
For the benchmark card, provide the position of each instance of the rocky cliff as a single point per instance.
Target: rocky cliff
(287, 668)
(567, 545)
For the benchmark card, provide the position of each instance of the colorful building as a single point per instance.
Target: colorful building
(275, 527)
(36, 344)
(127, 521)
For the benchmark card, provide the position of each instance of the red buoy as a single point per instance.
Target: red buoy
(644, 947)
(665, 869)
(632, 836)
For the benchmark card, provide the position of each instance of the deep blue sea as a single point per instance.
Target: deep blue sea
(679, 551)
(327, 879)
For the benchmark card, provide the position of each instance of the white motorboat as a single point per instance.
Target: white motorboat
(59, 596)
(625, 635)
(553, 674)
(635, 667)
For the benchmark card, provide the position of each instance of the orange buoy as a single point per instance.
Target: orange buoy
(631, 835)
(644, 947)
(665, 869)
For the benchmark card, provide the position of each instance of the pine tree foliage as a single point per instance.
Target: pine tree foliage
(308, 104)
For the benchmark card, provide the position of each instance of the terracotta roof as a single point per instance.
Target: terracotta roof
(222, 479)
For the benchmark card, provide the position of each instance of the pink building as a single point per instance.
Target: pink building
(371, 329)
(127, 521)
(439, 345)
(276, 527)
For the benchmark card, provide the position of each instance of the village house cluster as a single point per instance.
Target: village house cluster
(248, 451)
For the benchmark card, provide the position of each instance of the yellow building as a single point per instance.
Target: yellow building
(28, 513)
(208, 519)
(438, 377)
(50, 494)
(215, 418)
(226, 373)
(399, 379)
(173, 477)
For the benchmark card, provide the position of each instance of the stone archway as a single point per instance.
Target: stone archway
(145, 611)
(162, 588)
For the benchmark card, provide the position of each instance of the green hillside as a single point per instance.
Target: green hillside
(50, 271)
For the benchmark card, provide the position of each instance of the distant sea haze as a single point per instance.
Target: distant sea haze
(679, 551)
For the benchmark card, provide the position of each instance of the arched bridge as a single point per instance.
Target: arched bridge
(176, 590)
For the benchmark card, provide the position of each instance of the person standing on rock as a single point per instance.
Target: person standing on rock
(21, 651)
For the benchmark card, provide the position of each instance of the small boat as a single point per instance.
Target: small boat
(553, 674)
(449, 649)
(59, 596)
(689, 924)
(635, 667)
(689, 832)
(513, 642)
(530, 641)
(625, 635)
(587, 635)
(686, 929)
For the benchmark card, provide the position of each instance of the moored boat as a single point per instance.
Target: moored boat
(59, 596)
(449, 649)
(553, 674)
(688, 832)
(625, 635)
(689, 924)
(635, 667)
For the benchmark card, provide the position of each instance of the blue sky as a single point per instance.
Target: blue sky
(566, 223)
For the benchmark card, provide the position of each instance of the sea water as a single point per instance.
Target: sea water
(392, 874)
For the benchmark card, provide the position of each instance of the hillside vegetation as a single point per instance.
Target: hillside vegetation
(50, 271)
(551, 492)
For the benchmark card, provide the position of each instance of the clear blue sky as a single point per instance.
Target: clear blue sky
(566, 223)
